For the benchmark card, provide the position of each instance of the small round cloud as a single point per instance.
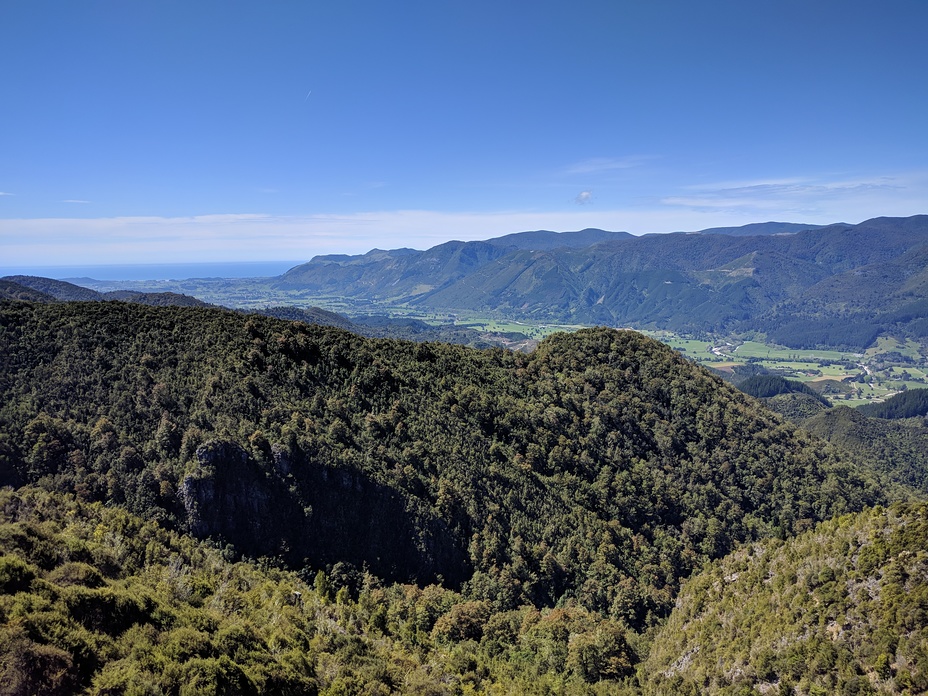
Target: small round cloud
(584, 197)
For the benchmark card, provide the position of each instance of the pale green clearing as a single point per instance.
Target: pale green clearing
(753, 349)
(885, 344)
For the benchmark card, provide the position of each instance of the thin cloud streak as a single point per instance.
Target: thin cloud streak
(596, 165)
(840, 198)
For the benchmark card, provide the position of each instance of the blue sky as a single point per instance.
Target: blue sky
(141, 132)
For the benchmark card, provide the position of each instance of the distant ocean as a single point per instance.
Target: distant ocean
(157, 271)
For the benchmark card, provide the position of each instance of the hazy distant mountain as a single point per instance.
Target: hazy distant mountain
(761, 228)
(58, 289)
(543, 240)
(836, 285)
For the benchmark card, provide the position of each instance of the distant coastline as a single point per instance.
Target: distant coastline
(157, 271)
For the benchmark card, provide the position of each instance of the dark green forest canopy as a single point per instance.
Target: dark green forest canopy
(766, 386)
(600, 470)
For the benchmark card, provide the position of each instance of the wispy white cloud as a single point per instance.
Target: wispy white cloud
(74, 200)
(6, 193)
(596, 165)
(833, 198)
(745, 183)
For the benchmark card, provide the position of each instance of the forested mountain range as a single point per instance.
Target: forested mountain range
(837, 285)
(592, 475)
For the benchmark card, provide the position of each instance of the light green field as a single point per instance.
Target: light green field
(691, 347)
(753, 349)
(885, 344)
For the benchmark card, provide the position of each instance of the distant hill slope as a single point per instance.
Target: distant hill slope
(59, 289)
(836, 285)
(897, 448)
(911, 403)
(11, 290)
(544, 240)
(69, 292)
(599, 470)
(766, 386)
(839, 610)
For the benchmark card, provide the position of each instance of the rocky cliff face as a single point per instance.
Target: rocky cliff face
(319, 517)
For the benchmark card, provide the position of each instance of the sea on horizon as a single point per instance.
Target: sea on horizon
(157, 271)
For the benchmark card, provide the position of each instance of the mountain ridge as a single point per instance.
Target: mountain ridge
(714, 282)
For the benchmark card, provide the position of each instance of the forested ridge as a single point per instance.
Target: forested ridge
(593, 475)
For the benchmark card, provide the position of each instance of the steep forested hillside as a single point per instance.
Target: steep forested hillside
(599, 470)
(843, 609)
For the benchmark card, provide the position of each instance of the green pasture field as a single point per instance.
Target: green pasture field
(691, 347)
(886, 344)
(754, 349)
